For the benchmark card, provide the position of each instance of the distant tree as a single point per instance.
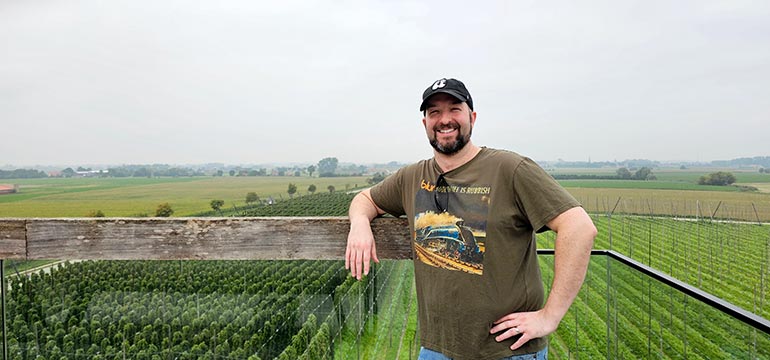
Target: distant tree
(762, 170)
(311, 170)
(623, 173)
(311, 189)
(683, 167)
(327, 166)
(297, 173)
(253, 173)
(232, 172)
(220, 172)
(142, 172)
(164, 210)
(97, 213)
(720, 178)
(68, 172)
(644, 173)
(330, 188)
(292, 190)
(377, 177)
(251, 197)
(217, 204)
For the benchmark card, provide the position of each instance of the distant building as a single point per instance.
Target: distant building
(91, 173)
(8, 189)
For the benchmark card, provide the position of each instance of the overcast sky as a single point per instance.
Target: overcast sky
(181, 82)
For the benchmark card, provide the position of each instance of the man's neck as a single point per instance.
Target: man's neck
(454, 161)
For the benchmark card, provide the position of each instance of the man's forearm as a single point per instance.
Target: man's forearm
(573, 253)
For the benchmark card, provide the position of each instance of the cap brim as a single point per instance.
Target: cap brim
(454, 93)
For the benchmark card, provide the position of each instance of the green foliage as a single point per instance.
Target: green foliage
(22, 174)
(331, 189)
(311, 189)
(644, 173)
(719, 178)
(197, 308)
(320, 204)
(251, 197)
(310, 170)
(292, 189)
(623, 173)
(217, 204)
(327, 166)
(164, 210)
(376, 178)
(68, 172)
(95, 213)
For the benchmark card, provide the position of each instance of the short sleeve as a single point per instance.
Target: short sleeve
(539, 196)
(388, 194)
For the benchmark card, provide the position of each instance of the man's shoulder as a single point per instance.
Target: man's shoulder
(416, 167)
(504, 156)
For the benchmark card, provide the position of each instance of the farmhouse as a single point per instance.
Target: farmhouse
(8, 189)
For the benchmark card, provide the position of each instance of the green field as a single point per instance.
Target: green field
(674, 175)
(619, 313)
(642, 184)
(117, 197)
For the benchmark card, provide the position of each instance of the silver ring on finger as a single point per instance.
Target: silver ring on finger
(516, 329)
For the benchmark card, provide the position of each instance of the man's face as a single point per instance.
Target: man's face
(448, 123)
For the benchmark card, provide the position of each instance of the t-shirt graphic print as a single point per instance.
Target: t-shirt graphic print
(451, 225)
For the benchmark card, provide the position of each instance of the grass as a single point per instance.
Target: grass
(133, 196)
(676, 175)
(641, 184)
(12, 266)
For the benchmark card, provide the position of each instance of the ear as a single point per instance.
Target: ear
(473, 118)
(424, 123)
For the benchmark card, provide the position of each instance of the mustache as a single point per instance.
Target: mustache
(453, 126)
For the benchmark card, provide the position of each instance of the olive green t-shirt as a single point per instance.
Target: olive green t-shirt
(474, 245)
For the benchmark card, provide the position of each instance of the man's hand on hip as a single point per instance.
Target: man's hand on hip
(529, 325)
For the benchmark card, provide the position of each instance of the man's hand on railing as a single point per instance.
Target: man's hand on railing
(361, 248)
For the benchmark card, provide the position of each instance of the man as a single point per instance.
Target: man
(474, 213)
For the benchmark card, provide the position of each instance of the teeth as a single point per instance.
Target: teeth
(446, 131)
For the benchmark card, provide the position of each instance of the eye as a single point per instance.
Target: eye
(456, 109)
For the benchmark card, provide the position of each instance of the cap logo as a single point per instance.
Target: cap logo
(439, 84)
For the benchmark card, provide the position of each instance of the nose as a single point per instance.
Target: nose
(445, 118)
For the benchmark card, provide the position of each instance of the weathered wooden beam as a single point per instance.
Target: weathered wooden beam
(232, 238)
(13, 239)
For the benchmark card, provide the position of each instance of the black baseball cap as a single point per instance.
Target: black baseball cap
(452, 87)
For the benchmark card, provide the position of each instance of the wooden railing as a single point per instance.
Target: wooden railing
(231, 238)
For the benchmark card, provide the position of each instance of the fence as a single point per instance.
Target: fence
(627, 307)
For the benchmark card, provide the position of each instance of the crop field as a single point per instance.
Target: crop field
(117, 197)
(752, 207)
(675, 175)
(314, 310)
(118, 308)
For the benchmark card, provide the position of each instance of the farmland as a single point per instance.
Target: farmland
(121, 308)
(136, 196)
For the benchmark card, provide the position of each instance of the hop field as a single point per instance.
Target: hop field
(314, 310)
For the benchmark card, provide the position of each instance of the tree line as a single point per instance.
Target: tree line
(644, 173)
(22, 174)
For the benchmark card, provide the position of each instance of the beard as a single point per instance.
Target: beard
(453, 147)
